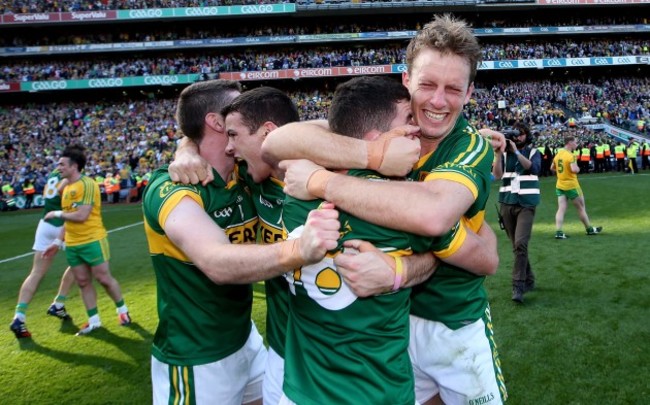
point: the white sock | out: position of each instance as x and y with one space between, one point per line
122 310
94 320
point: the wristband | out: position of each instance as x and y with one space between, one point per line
58 214
59 243
290 254
517 153
317 182
377 149
399 272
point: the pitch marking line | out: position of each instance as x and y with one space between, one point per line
31 253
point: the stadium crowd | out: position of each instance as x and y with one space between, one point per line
202 30
251 59
144 132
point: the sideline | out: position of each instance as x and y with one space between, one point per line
31 253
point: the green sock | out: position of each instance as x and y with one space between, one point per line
119 303
21 310
92 311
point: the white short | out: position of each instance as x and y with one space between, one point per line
45 235
286 401
234 380
461 365
273 378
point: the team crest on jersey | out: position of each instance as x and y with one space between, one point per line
168 186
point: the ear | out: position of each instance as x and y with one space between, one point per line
405 79
215 122
470 90
268 127
371 135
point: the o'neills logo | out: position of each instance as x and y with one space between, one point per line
5 87
32 17
91 15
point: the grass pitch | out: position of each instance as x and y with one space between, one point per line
580 338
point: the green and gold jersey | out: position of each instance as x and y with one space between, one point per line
566 178
200 322
268 197
83 192
341 348
452 295
52 197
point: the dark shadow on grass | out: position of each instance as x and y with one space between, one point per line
68 327
131 347
137 328
120 369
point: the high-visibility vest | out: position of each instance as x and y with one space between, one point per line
576 154
585 156
646 149
632 150
619 151
600 152
608 151
7 189
29 189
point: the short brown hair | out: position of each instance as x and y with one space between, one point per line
201 98
447 35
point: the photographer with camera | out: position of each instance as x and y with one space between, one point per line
518 168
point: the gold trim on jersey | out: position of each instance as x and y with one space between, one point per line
457 241
455 176
170 203
159 244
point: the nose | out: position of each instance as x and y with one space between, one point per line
230 148
437 98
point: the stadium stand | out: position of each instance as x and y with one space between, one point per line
107 73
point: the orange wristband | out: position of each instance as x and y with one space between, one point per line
317 183
375 150
290 254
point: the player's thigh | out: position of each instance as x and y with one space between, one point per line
234 380
45 235
94 254
461 365
273 378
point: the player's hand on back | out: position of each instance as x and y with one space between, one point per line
365 269
296 177
321 233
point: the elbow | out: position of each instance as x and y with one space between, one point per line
213 272
492 264
433 225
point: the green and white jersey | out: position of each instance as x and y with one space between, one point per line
452 295
341 348
200 322
268 197
52 197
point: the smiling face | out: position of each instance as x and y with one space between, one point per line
248 146
439 86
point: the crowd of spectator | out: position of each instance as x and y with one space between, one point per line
141 134
259 59
52 6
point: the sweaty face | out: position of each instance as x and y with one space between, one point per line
247 146
439 87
